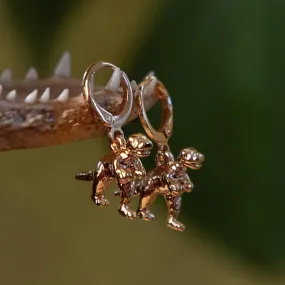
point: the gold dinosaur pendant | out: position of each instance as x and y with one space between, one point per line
169 178
123 162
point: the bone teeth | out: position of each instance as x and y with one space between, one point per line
115 80
32 74
150 74
31 98
1 89
134 85
45 97
150 88
63 96
6 75
11 96
63 66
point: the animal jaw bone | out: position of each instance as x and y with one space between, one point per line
39 112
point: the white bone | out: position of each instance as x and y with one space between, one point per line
150 88
63 96
6 75
115 80
11 96
45 97
1 89
31 98
134 85
63 67
32 74
150 74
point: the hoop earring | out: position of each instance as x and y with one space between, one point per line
123 161
169 178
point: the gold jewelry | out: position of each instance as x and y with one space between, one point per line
123 161
169 178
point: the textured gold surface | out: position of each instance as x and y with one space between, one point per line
122 164
169 177
123 161
50 235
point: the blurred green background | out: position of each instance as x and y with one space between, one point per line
223 63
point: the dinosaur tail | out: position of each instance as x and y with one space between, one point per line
85 176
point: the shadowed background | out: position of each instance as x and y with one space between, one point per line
224 66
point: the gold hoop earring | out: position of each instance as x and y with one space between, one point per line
123 161
169 178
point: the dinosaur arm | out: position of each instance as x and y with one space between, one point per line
179 184
186 183
139 170
123 172
174 186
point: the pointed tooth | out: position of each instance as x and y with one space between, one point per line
149 90
32 74
11 96
150 74
31 98
1 89
134 85
45 97
115 80
6 75
63 66
63 96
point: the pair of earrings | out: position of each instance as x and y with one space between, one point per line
169 178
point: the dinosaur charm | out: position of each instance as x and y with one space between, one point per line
123 162
123 165
169 179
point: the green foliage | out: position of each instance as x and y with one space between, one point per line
37 22
223 63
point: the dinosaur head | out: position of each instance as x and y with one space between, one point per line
140 145
190 157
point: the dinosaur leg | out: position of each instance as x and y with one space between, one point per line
146 200
101 181
126 190
117 192
174 205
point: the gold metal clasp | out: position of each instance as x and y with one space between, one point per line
163 134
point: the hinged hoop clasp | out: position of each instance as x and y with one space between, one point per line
112 122
163 134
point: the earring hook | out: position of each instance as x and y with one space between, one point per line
163 134
113 123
